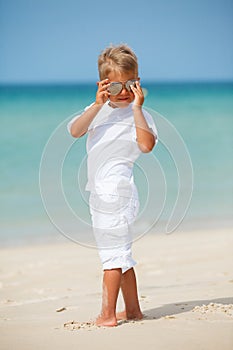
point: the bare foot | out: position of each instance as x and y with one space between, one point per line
121 316
130 316
102 321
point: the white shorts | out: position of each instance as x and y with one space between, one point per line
112 221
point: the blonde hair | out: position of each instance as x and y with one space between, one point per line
118 58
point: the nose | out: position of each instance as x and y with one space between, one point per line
124 90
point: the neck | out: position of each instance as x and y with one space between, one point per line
112 105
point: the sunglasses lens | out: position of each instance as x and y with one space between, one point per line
128 83
115 88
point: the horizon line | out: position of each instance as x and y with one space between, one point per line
89 82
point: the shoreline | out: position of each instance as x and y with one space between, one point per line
56 237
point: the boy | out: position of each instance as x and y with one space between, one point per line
118 131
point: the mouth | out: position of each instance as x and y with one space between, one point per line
122 99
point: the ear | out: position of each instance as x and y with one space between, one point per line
138 78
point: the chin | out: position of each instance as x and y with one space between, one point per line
122 104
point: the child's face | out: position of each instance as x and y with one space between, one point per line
125 97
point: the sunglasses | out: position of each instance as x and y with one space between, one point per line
116 87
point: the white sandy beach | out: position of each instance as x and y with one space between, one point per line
185 287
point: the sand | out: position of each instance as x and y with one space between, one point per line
50 292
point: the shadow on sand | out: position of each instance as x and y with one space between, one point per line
181 307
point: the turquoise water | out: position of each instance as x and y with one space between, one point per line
201 113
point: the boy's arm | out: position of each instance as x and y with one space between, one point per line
80 126
145 137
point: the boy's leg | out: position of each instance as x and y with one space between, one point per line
130 295
111 287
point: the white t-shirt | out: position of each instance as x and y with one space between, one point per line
112 150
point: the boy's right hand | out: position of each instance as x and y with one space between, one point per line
102 94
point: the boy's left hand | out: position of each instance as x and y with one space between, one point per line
138 93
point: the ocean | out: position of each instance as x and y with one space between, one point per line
43 172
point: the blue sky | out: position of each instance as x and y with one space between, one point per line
58 41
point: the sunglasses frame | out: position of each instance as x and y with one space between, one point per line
125 85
